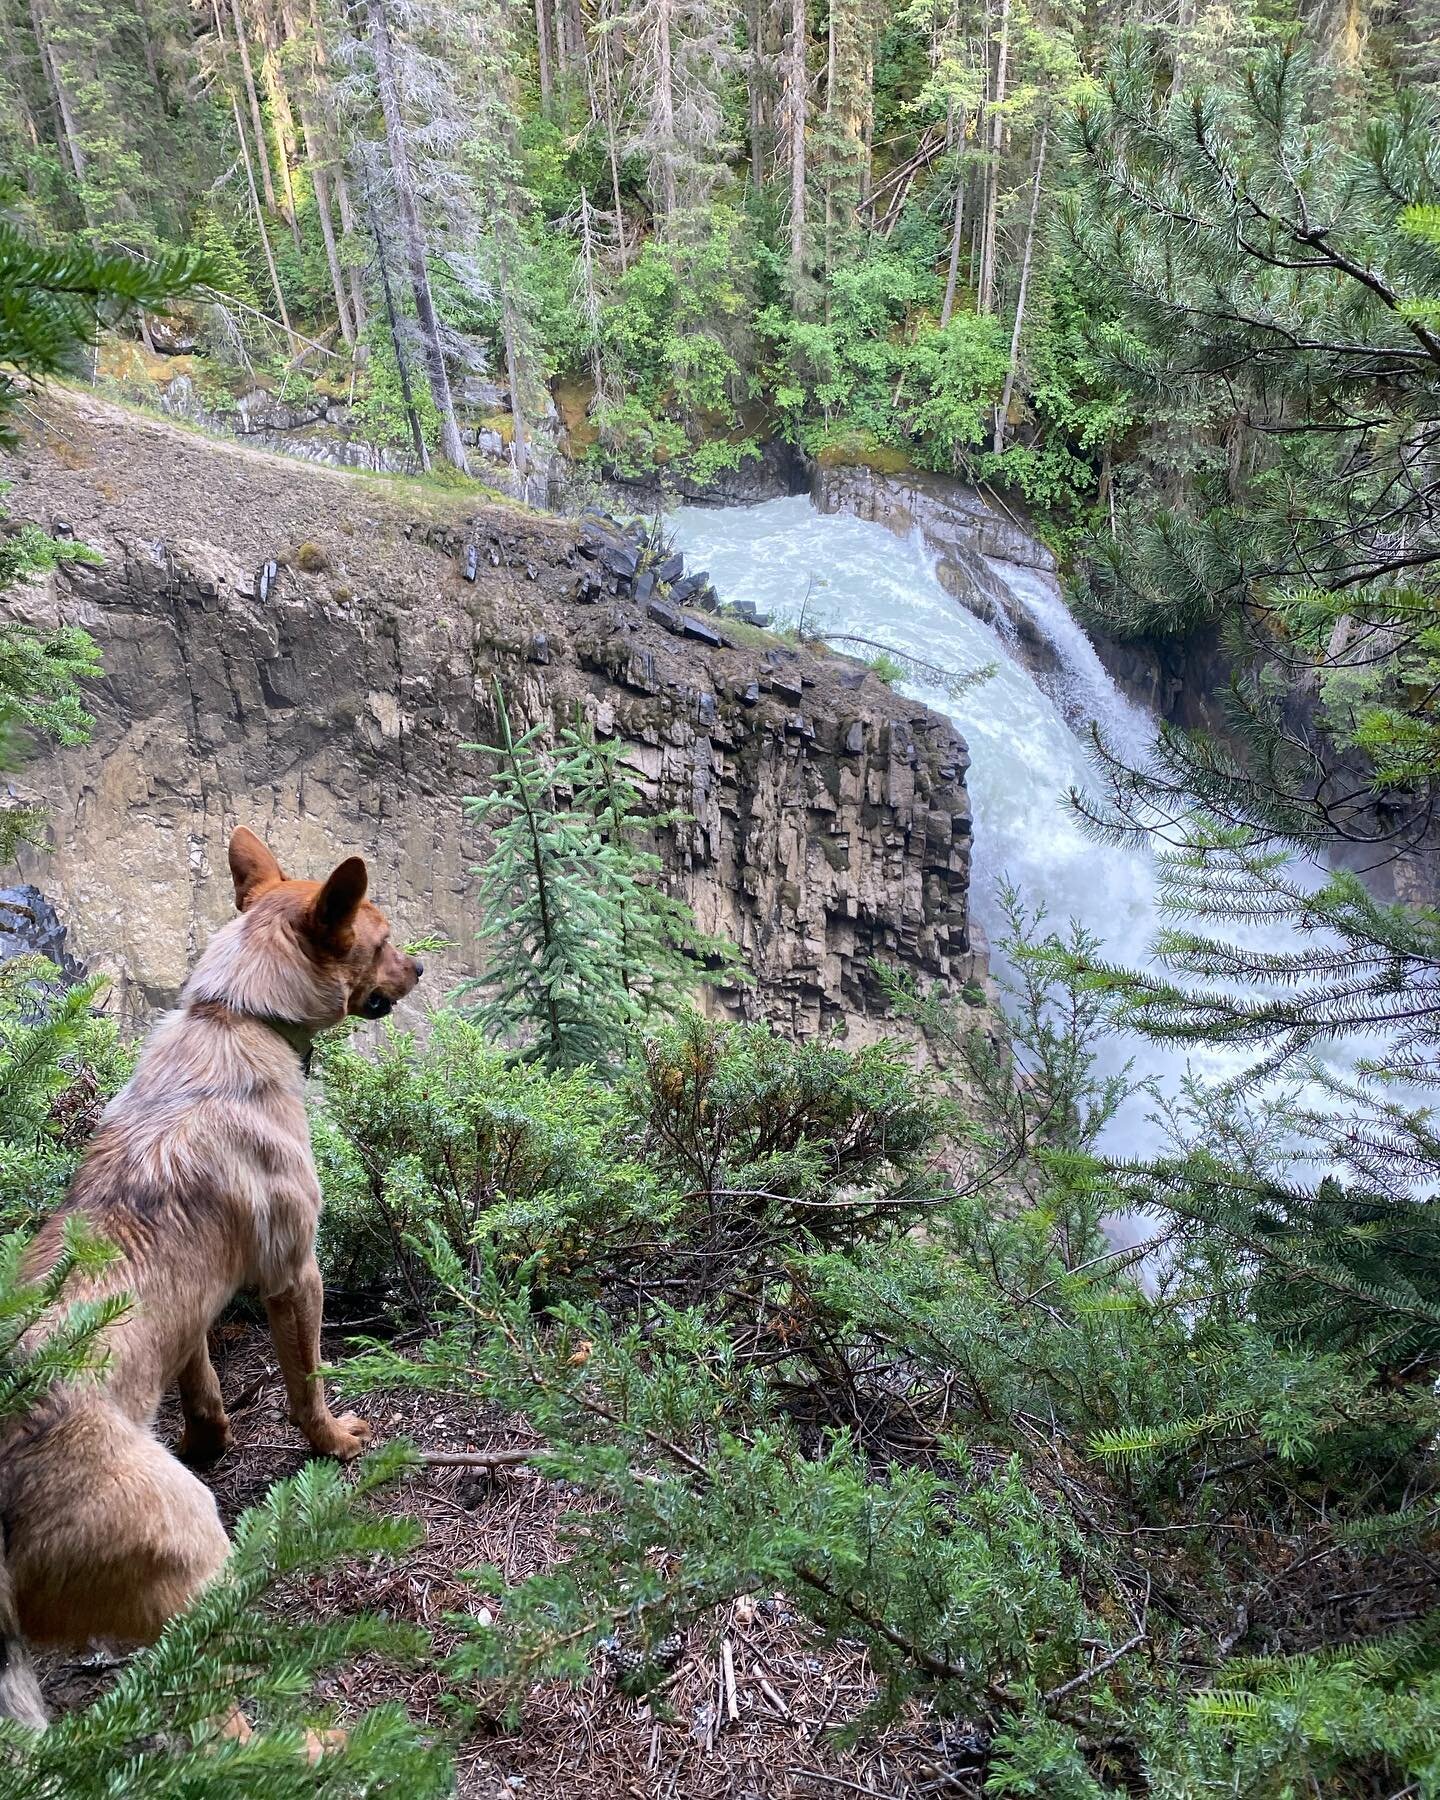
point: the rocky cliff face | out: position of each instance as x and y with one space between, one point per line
301 650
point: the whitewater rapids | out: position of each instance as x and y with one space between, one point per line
1024 736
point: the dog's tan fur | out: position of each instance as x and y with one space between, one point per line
201 1176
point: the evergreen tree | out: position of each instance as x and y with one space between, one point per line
1285 282
680 53
582 942
51 299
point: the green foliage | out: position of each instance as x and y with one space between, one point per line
1303 362
51 298
42 1340
40 674
450 1133
675 330
582 941
156 1730
380 398
870 371
938 1415
887 668
718 1145
224 248
60 1060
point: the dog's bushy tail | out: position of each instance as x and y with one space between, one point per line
19 1689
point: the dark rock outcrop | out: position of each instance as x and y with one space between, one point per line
30 926
773 472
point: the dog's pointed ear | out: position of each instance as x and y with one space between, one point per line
252 868
339 900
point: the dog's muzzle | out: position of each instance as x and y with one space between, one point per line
377 1005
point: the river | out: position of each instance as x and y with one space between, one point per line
1025 742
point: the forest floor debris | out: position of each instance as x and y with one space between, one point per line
756 1704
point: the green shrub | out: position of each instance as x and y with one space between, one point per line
60 1061
939 1415
720 1145
448 1133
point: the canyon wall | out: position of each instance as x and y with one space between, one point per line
315 653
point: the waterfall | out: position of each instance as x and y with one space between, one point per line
1027 736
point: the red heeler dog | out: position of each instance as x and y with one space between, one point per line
201 1176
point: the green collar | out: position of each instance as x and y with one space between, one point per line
300 1038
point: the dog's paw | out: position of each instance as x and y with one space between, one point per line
343 1438
203 1442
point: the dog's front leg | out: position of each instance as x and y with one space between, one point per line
295 1327
207 1430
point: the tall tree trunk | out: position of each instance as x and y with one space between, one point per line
359 311
982 161
830 148
260 221
997 134
520 445
314 155
257 119
1003 415
957 231
665 109
414 238
283 116
147 46
19 100
543 39
592 296
1184 19
66 134
867 123
795 100
755 27
402 360
574 61
334 159
607 88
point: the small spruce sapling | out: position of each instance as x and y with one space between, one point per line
583 944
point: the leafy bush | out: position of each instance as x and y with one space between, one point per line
720 1144
380 397
451 1134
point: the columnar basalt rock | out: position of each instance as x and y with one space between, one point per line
334 701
